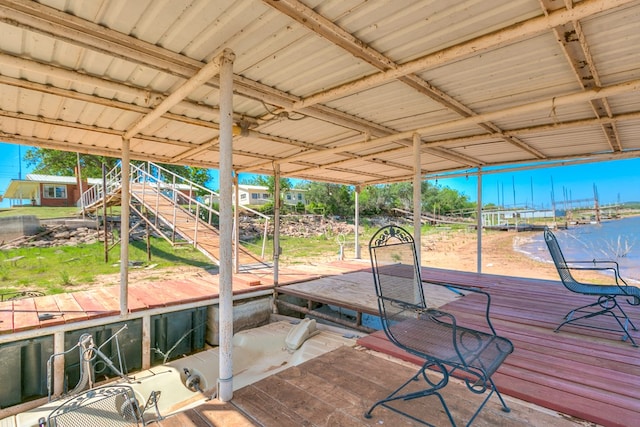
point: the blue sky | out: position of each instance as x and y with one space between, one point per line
615 181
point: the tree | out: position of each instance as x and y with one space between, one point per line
376 199
63 163
333 199
445 200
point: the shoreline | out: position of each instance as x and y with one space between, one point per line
457 250
441 248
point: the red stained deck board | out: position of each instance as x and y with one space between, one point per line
69 307
108 299
203 287
133 302
181 291
559 399
147 296
47 305
25 315
6 317
92 305
246 280
212 286
378 341
556 371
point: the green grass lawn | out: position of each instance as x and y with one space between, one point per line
297 250
60 269
41 212
44 212
66 268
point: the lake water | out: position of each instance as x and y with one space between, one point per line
617 240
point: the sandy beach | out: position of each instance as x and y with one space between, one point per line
457 250
441 248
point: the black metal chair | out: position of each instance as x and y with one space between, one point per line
606 303
107 406
104 406
431 334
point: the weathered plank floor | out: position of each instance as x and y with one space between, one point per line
337 388
586 373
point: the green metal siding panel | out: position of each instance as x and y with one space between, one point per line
23 370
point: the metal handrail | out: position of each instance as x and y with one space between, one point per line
171 186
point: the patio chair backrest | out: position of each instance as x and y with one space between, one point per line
111 405
396 274
560 263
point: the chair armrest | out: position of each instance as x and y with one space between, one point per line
607 265
571 265
475 290
612 265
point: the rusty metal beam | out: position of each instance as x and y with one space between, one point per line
575 47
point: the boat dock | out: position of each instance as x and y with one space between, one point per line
562 372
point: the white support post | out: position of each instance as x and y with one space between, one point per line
225 380
124 228
357 223
417 196
479 221
276 223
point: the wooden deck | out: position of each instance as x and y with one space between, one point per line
336 389
51 310
588 374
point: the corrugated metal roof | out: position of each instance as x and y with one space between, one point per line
483 82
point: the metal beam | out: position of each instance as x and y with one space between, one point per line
96 99
574 45
548 104
200 78
76 31
506 36
358 48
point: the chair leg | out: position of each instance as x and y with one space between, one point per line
487 385
625 327
605 310
628 321
432 390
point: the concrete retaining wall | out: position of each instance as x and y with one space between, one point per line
13 227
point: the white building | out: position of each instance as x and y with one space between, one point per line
259 195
